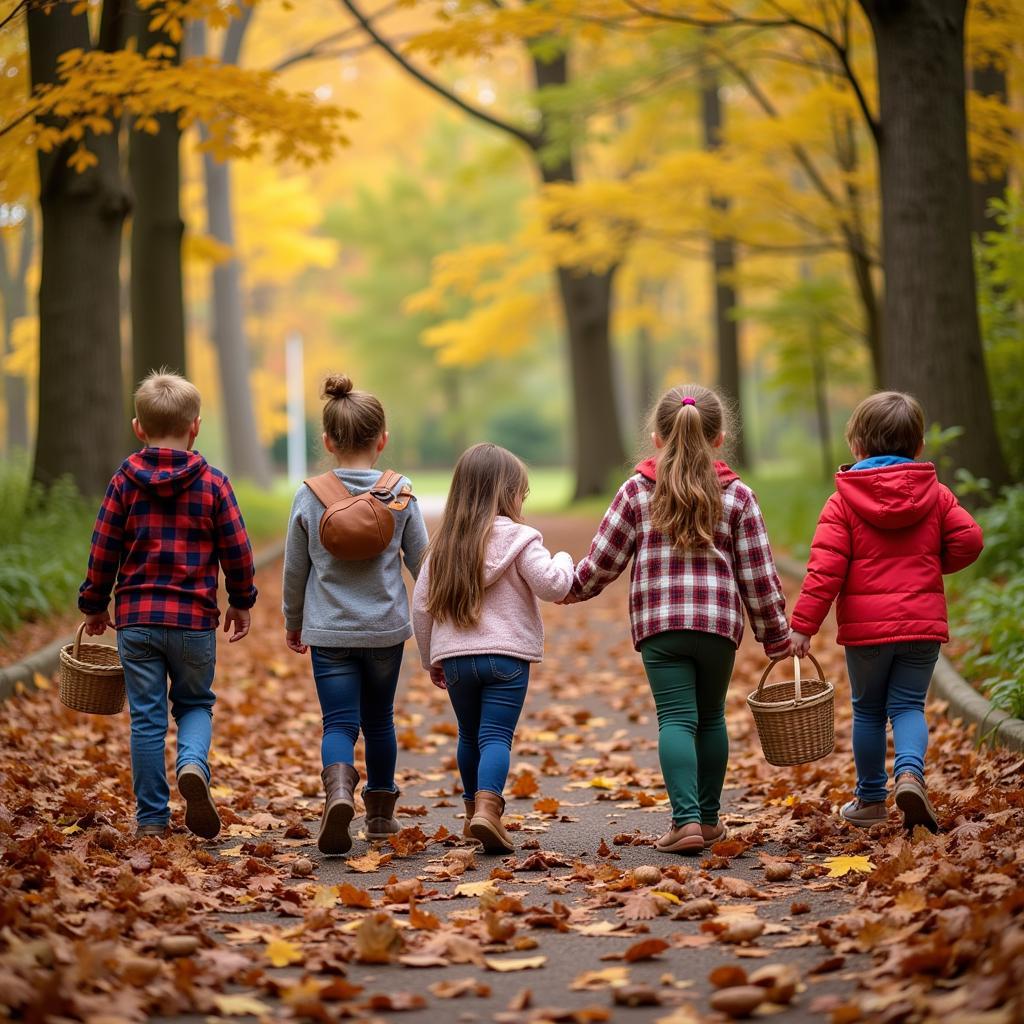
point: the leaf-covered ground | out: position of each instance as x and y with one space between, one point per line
585 923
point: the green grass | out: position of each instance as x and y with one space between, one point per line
550 488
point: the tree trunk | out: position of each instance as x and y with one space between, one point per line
587 302
80 398
646 373
158 309
987 81
13 285
933 342
246 457
723 266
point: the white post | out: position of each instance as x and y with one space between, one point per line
296 390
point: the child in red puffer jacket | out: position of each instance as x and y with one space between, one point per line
883 543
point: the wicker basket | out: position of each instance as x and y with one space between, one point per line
91 677
795 718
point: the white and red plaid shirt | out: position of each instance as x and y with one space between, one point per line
704 589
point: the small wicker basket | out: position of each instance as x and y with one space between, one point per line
91 677
795 718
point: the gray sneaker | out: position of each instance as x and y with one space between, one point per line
912 799
863 814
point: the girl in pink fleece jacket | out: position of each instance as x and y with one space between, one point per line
477 620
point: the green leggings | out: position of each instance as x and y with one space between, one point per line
689 674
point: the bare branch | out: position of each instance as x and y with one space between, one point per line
23 5
314 51
530 139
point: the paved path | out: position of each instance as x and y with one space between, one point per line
84 908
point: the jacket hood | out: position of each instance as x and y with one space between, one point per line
649 469
890 497
164 471
506 543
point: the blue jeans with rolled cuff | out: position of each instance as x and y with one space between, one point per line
487 692
150 655
889 682
356 687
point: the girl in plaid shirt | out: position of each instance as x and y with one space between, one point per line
700 554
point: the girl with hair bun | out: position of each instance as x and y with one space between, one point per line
694 533
353 616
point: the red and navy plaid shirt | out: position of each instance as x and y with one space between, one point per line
704 589
167 520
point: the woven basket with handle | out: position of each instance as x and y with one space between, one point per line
795 718
91 677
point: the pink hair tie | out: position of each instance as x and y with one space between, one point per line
689 401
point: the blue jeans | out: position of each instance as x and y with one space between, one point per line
889 681
356 687
487 692
149 655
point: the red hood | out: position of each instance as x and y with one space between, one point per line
890 497
649 469
164 471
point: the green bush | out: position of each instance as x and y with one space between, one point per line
986 602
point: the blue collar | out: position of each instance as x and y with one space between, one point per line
878 461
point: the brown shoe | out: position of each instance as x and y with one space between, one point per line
339 807
468 817
486 823
201 817
152 831
713 834
688 838
380 813
912 799
864 814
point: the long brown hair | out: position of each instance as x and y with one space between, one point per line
488 481
353 420
687 502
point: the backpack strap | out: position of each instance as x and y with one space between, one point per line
328 488
387 484
387 481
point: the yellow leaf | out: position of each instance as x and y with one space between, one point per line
840 866
281 952
476 888
240 1006
231 851
526 963
671 897
42 683
71 830
601 782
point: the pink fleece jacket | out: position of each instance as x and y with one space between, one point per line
518 570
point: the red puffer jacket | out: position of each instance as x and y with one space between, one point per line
883 541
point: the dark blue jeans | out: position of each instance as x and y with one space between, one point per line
356 687
889 681
149 655
487 692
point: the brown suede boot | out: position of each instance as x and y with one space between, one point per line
688 838
470 806
486 823
912 799
712 834
339 807
380 813
864 814
201 817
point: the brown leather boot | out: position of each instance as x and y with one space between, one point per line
201 817
380 813
486 823
712 834
912 799
470 806
688 838
339 807
863 813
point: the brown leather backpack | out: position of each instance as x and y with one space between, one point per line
355 527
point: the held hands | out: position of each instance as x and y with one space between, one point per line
293 638
239 619
97 622
437 677
799 644
570 598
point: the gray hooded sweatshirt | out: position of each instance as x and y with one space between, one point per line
349 604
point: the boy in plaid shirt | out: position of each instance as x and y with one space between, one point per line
167 520
700 554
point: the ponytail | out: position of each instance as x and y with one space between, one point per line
687 502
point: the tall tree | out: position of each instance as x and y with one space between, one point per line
585 295
988 80
723 265
246 456
157 301
83 211
933 340
14 293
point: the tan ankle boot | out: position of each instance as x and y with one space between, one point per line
339 807
470 806
912 799
486 824
380 813
686 838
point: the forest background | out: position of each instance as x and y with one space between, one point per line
513 221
